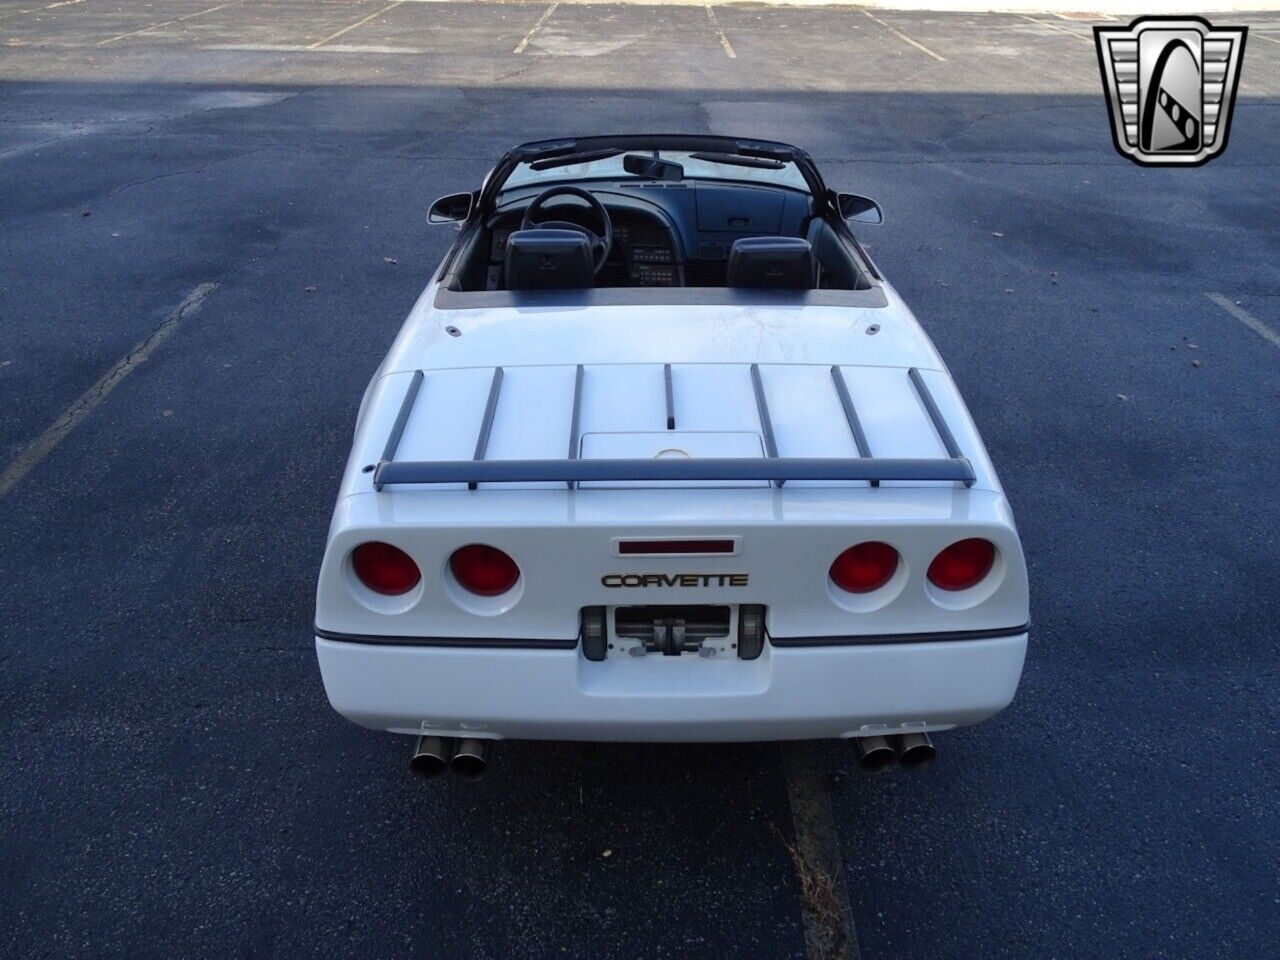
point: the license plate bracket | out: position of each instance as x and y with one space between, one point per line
704 630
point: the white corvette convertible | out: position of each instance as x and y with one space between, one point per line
659 455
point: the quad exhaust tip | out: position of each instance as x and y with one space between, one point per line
471 760
875 753
907 750
431 756
466 759
914 749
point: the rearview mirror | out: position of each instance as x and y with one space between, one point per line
454 208
652 167
858 209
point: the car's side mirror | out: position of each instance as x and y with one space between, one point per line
454 208
858 209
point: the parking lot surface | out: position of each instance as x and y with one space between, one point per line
212 224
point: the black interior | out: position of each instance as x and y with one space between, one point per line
663 234
774 263
549 260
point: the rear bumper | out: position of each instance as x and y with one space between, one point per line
787 693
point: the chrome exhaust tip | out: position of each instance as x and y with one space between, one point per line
875 753
431 756
914 749
471 760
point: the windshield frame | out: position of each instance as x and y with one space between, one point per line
495 182
784 175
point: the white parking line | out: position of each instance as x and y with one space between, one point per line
350 27
1054 26
524 41
902 36
50 6
1247 318
1263 36
26 461
157 26
299 48
724 41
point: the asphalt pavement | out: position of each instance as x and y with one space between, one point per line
212 222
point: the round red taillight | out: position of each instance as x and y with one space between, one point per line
384 568
963 564
484 570
866 567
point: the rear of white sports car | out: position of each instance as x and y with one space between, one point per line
686 524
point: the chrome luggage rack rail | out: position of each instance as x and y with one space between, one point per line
573 469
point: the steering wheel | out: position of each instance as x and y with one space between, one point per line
601 244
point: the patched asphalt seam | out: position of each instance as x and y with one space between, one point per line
829 931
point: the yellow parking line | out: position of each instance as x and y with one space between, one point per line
724 41
546 15
157 26
902 36
40 448
348 29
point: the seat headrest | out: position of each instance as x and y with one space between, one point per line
779 263
549 260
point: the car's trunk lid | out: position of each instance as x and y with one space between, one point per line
680 411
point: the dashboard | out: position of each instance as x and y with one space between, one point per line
644 251
664 234
647 252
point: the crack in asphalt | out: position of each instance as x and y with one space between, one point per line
129 128
102 198
22 148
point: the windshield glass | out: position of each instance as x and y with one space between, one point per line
610 168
